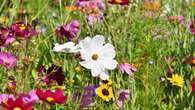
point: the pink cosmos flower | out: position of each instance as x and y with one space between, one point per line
8 60
6 36
127 68
5 97
123 95
31 97
191 26
69 30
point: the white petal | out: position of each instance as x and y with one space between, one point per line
104 75
96 71
98 40
109 64
89 64
66 47
107 52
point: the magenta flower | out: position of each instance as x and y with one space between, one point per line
91 4
93 19
6 36
7 59
123 95
193 84
23 30
69 30
127 68
5 97
191 26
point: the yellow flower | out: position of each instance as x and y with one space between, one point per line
105 92
71 8
78 69
106 82
193 3
152 6
176 80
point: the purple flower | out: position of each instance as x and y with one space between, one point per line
86 97
126 67
54 73
6 36
31 97
7 59
123 95
23 30
91 4
191 26
93 19
69 30
5 97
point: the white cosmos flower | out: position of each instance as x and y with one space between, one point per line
68 47
97 56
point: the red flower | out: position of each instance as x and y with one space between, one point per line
52 97
17 104
193 84
120 2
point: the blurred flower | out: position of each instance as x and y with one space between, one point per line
93 19
52 97
123 95
68 47
78 69
176 19
191 26
162 78
176 80
71 8
127 68
105 92
23 30
17 104
193 3
86 98
54 73
6 37
11 85
69 30
7 59
193 84
152 5
31 97
97 56
120 2
5 97
188 59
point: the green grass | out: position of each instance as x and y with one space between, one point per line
131 33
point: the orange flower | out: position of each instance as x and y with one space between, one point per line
152 5
71 8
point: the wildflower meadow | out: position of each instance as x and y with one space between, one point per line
97 55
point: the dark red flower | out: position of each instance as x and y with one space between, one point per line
193 84
120 2
17 104
6 36
23 30
54 73
52 97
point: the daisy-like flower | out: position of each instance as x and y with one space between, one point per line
69 30
105 92
106 82
7 59
52 97
120 2
176 80
97 56
191 26
68 47
23 30
17 104
6 36
123 95
127 68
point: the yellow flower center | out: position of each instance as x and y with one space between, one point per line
95 56
50 99
22 27
17 108
118 1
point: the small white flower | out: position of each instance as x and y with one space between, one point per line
68 47
97 56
